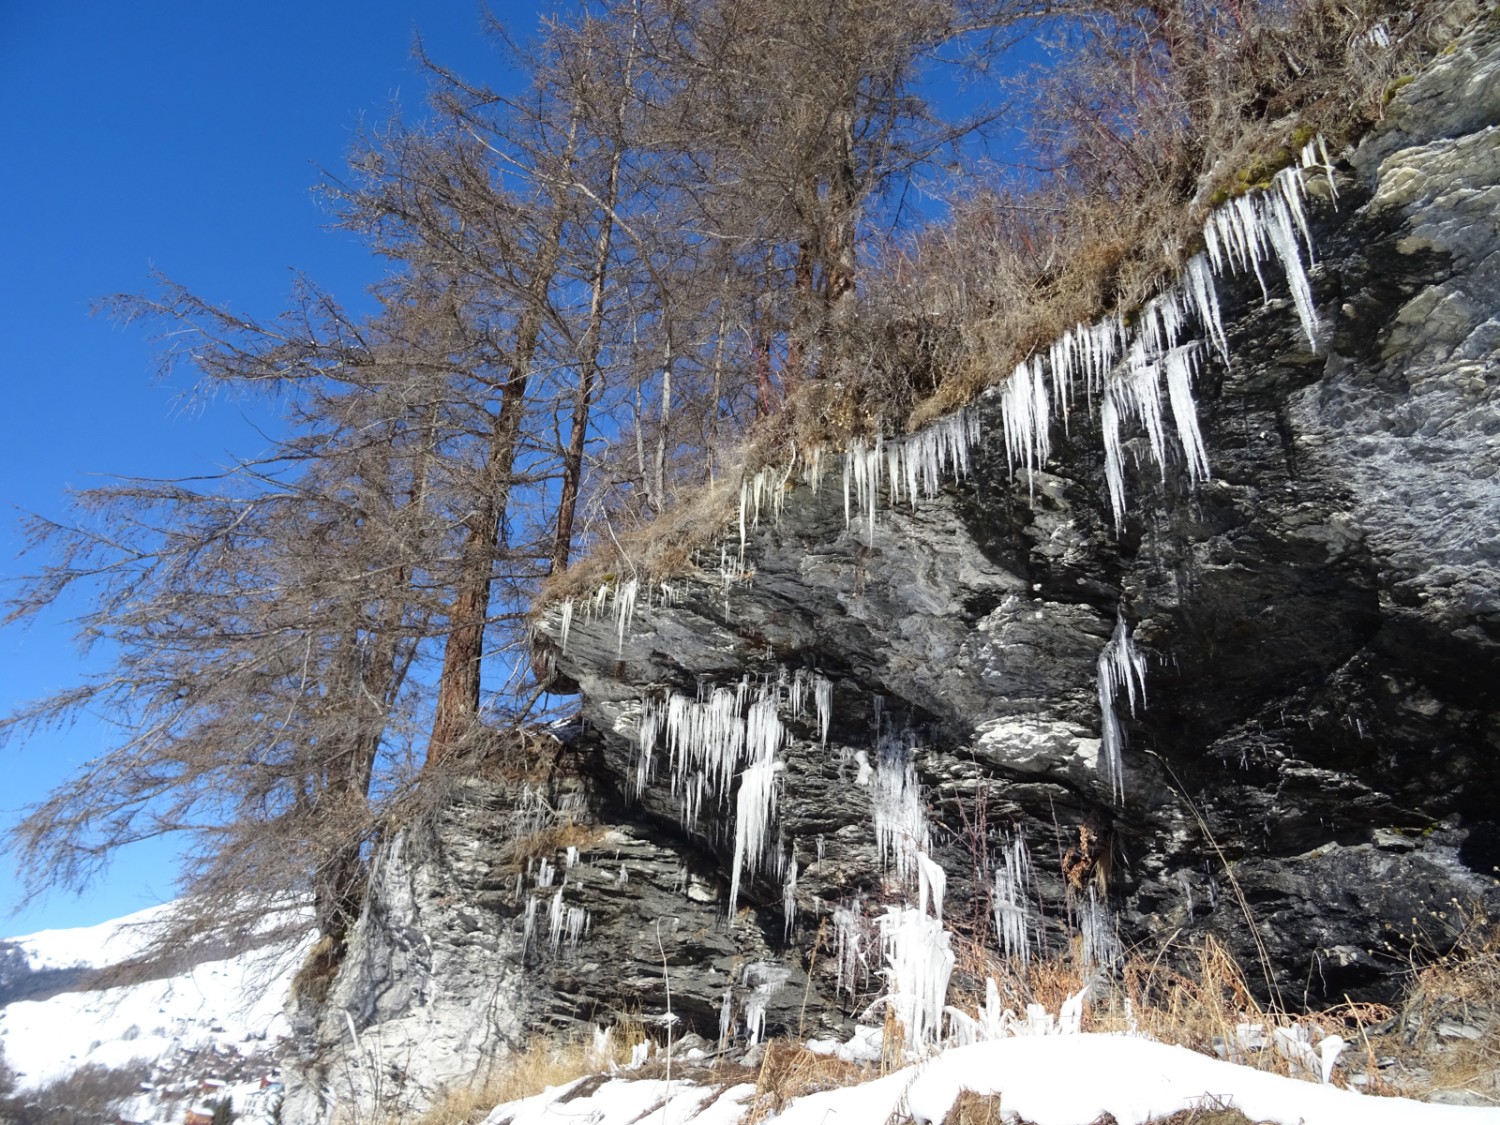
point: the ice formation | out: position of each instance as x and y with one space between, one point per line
919 962
724 734
914 467
901 832
755 808
1099 943
765 980
1012 917
789 899
1119 666
565 923
849 948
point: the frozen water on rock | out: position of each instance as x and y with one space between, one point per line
765 980
1119 666
919 962
901 832
1012 915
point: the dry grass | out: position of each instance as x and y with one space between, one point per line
1200 1007
970 1108
1446 1036
530 1069
789 1070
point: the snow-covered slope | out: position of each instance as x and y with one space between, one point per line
215 1019
1046 1080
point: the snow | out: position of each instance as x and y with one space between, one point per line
235 1002
1048 1080
108 943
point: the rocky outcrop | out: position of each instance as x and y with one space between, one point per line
1310 777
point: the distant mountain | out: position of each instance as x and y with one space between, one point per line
217 1020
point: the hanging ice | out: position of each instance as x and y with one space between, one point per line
1119 666
849 955
755 808
823 700
901 832
1012 921
932 882
789 899
919 963
1180 366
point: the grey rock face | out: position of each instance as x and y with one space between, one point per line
1314 765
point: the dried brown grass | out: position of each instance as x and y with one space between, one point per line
1446 1037
789 1070
529 1069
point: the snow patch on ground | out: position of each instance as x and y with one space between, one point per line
1048 1080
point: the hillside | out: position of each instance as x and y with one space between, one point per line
213 1028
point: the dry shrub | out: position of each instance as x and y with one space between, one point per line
1205 1115
657 549
1446 1036
547 843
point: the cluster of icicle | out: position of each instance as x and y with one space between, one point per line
1128 368
727 733
1125 367
565 923
617 599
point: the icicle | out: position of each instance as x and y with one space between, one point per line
1180 365
566 623
545 873
624 607
1012 920
919 963
1205 297
815 470
932 883
848 945
1096 929
648 730
529 930
572 857
789 899
726 1018
1282 209
1119 665
765 981
901 831
755 807
823 700
1114 455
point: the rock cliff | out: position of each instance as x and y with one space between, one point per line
1310 774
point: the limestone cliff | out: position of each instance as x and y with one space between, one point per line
1316 754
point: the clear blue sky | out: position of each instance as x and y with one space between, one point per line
186 137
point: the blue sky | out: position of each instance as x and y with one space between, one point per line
184 137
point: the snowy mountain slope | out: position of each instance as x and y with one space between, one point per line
108 943
205 1021
1046 1080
